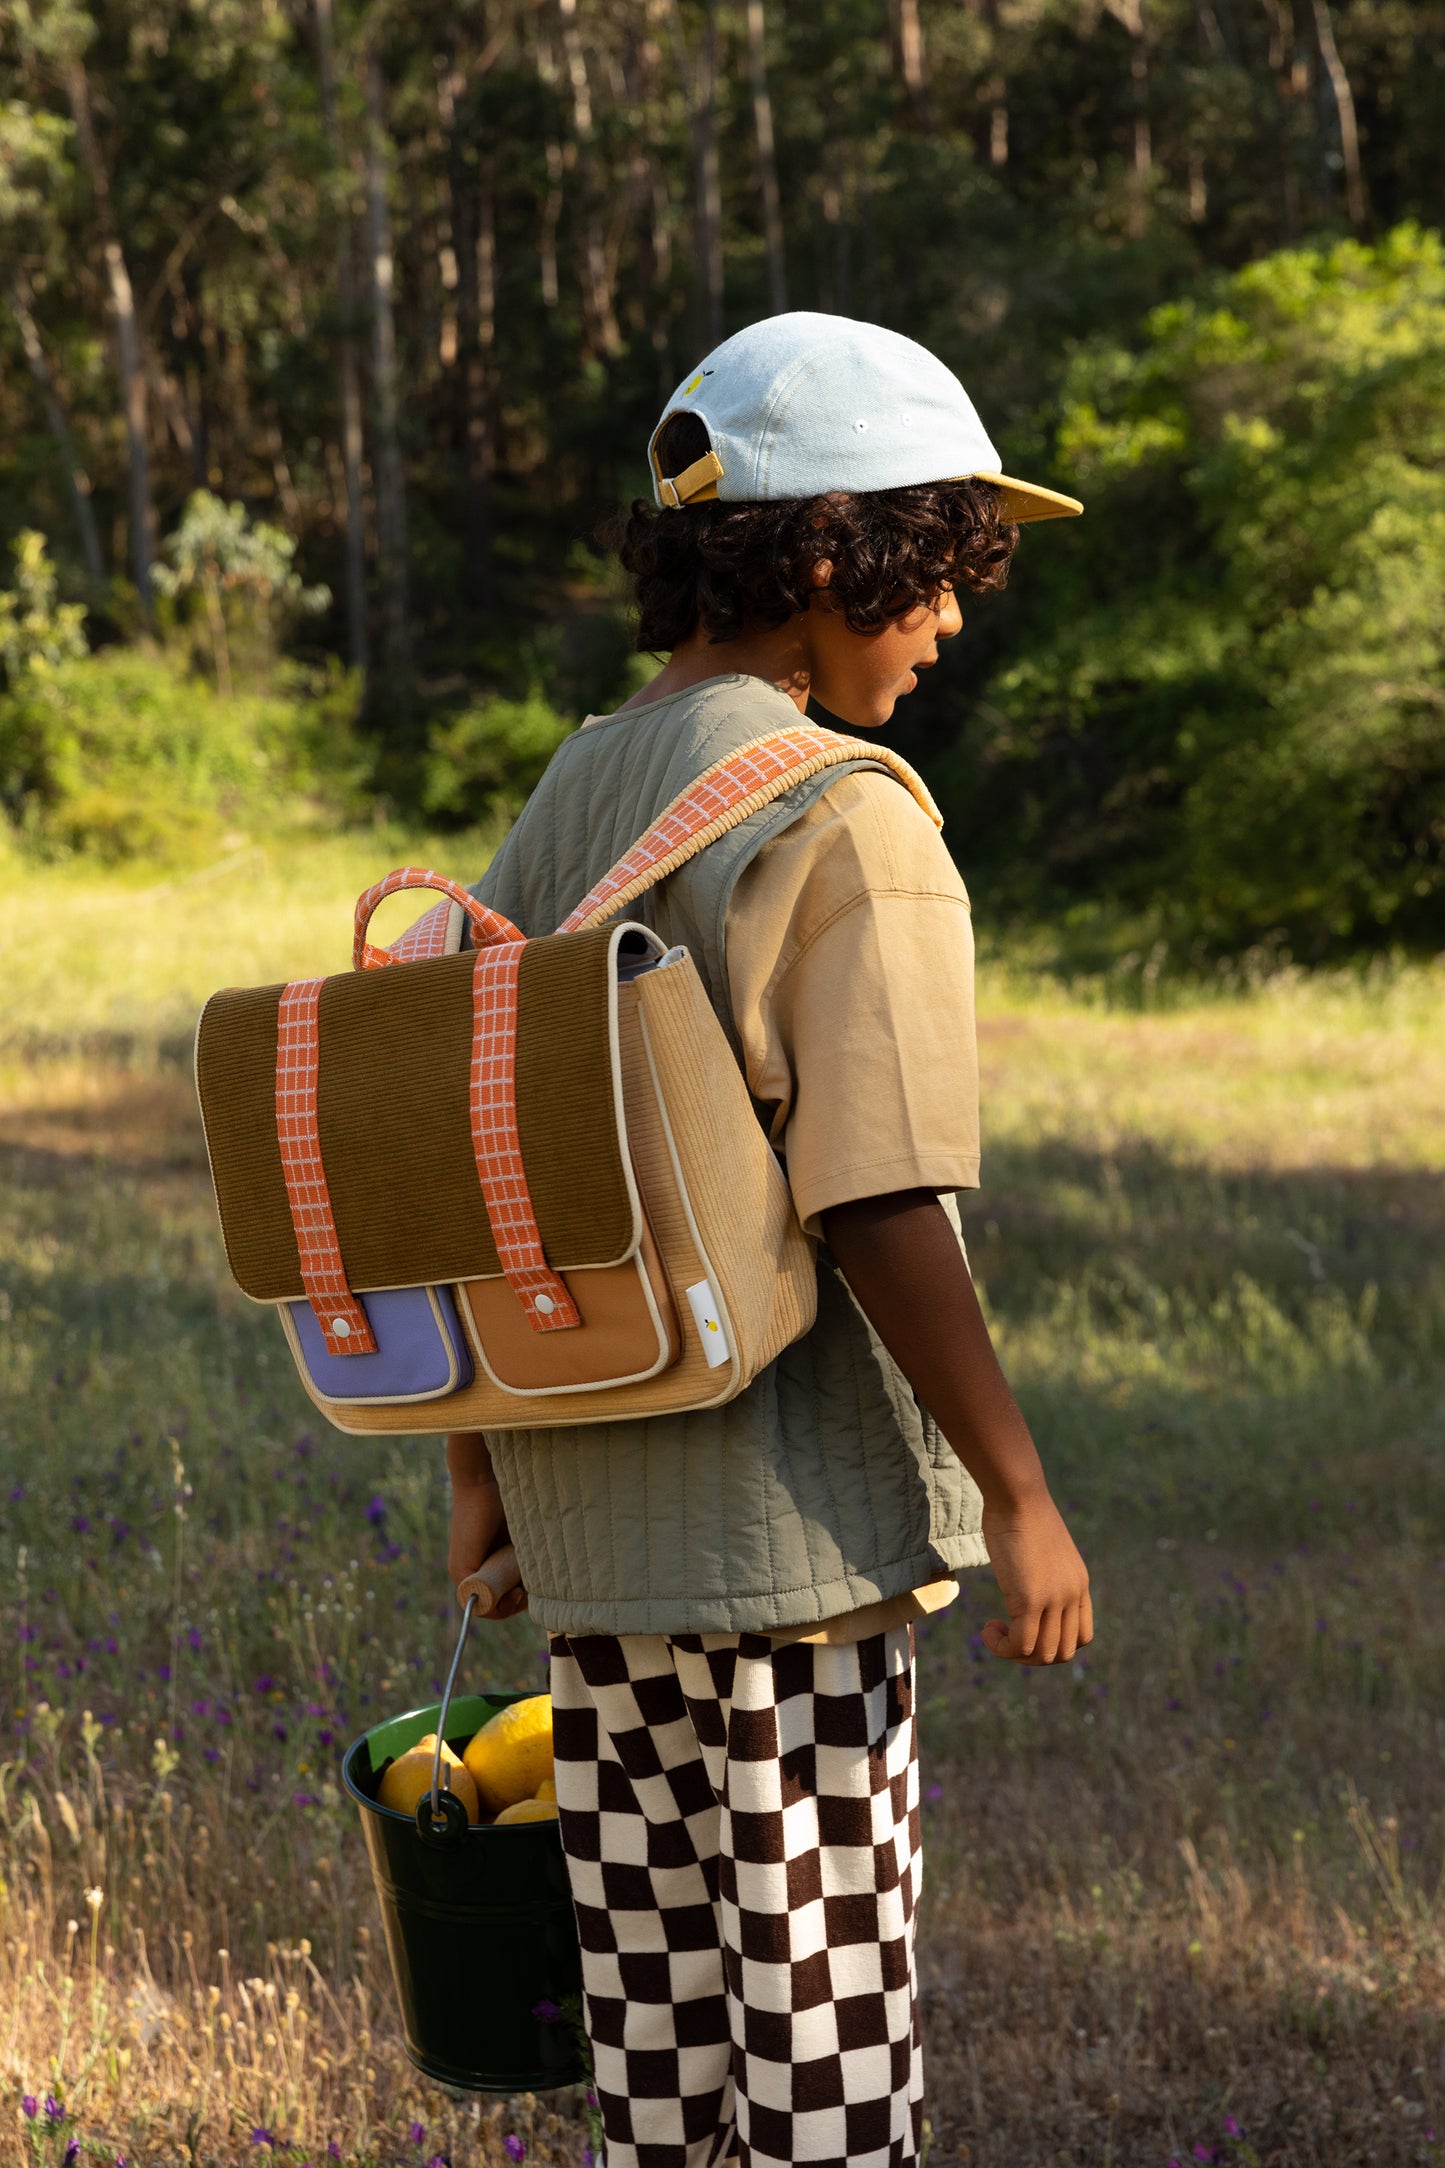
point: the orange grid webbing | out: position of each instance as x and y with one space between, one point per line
427 937
486 925
343 1322
498 1148
720 798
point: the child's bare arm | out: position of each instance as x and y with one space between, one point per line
479 1542
902 1260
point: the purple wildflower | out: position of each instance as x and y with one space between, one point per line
333 2150
30 2106
1232 2128
935 1791
513 2147
72 2153
261 2136
193 1638
376 1511
545 2012
587 2161
1203 2152
54 2113
418 2132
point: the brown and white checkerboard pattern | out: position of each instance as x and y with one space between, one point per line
497 1145
344 1324
741 1826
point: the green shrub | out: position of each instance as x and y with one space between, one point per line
119 755
1226 701
481 764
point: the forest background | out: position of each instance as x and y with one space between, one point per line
330 340
331 337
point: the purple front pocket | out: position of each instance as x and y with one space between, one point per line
420 1350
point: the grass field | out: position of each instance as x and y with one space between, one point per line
1184 1900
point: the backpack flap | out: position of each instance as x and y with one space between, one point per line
425 1076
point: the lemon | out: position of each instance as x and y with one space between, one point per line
529 1810
512 1753
547 1789
409 1778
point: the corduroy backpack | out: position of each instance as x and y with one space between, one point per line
518 1184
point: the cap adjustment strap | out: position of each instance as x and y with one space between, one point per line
692 482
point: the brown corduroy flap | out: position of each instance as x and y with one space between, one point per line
393 1107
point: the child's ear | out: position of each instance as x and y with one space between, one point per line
822 573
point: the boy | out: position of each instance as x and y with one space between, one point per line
730 1593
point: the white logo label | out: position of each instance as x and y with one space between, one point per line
704 1306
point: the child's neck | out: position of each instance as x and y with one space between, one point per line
781 657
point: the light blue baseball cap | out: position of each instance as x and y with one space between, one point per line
801 404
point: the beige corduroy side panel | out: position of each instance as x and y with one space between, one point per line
762 1262
687 1099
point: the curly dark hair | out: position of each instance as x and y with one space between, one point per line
730 567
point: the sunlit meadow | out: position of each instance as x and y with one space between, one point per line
1184 1900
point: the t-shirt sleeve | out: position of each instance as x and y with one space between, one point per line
850 971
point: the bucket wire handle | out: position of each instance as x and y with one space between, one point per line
441 1818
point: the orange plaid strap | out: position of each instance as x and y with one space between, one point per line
486 925
724 795
429 936
497 1145
343 1322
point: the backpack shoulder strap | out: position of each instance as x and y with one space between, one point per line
723 796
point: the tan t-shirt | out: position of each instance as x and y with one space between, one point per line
850 967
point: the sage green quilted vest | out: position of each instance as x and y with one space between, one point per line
824 1486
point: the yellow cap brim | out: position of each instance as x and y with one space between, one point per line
1023 501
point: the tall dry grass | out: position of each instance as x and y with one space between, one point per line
1184 1900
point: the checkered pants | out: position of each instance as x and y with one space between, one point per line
741 1827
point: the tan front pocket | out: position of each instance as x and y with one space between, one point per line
629 1329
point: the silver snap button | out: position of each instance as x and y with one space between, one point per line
545 1304
341 1326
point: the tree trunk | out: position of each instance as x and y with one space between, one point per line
391 545
348 372
1131 14
706 193
75 473
1285 70
596 269
471 182
767 159
1339 81
132 372
911 62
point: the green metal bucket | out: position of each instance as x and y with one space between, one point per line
479 1922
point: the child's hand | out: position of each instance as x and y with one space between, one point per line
478 1542
1044 1583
